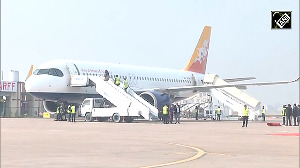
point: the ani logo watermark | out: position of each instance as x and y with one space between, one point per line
281 19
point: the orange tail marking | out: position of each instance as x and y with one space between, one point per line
199 58
30 72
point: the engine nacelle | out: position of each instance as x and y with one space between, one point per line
50 106
157 99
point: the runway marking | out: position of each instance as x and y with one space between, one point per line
200 153
220 154
286 134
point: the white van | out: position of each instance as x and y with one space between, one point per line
101 109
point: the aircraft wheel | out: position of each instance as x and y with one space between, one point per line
116 118
88 117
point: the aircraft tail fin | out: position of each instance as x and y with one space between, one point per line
199 58
30 72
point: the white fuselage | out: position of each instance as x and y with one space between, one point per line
57 88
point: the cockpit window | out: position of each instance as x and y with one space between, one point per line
43 71
51 71
59 73
35 72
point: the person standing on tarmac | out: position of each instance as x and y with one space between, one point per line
263 113
177 114
197 111
245 116
171 112
73 112
117 80
298 115
295 114
288 115
58 114
218 114
69 112
283 114
165 114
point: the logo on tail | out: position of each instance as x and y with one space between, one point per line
199 58
202 52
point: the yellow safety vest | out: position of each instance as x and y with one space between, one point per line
246 112
218 111
73 109
117 80
165 110
283 112
263 111
126 84
57 110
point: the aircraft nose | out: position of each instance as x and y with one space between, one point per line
31 84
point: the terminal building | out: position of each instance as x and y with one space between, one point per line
15 102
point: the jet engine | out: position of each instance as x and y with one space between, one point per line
157 99
50 106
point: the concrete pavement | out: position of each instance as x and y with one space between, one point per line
46 143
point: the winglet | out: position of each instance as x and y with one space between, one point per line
199 58
30 72
296 80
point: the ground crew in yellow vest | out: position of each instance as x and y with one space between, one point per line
165 114
69 112
245 116
117 80
219 114
283 114
263 113
73 112
126 85
58 115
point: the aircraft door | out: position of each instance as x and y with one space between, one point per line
194 82
73 69
132 80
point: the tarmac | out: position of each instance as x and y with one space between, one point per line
44 143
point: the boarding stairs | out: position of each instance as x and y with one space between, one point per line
232 97
202 99
129 100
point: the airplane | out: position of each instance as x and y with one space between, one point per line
51 80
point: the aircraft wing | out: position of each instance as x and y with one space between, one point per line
206 88
238 79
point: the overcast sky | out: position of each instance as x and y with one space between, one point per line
157 33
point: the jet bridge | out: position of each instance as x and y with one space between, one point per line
128 101
231 96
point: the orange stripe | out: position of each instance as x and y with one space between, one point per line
30 72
